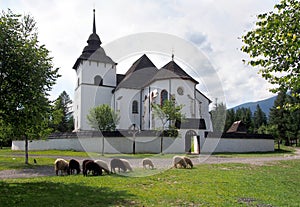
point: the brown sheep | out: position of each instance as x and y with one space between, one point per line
188 162
177 160
62 166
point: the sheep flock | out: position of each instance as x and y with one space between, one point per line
98 167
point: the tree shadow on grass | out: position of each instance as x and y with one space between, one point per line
60 194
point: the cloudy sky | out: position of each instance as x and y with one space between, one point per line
213 26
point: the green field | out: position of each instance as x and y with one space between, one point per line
274 184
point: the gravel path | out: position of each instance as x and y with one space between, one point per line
160 163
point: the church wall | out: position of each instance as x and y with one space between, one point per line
91 69
90 96
123 105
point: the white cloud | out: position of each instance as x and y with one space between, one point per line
213 26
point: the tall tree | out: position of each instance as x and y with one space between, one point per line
259 118
218 117
230 119
26 76
245 115
273 46
62 115
278 116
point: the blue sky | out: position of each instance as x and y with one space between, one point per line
213 26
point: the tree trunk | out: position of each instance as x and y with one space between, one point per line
102 151
26 150
161 143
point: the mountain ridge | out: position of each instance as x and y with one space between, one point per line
265 105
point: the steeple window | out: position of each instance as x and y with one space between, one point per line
98 81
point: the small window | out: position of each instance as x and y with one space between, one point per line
180 91
98 81
78 82
135 108
163 97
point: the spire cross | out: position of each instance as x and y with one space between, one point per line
94 23
172 54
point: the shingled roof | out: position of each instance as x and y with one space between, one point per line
138 74
141 63
172 70
237 127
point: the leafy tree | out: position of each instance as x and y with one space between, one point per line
218 117
103 118
26 76
167 112
62 120
274 44
259 118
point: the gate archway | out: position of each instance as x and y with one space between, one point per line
189 139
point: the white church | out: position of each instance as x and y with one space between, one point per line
131 94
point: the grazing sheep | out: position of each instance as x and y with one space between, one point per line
188 162
74 165
83 166
148 162
62 166
117 163
103 165
127 164
92 166
177 160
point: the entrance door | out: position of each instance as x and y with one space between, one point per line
189 138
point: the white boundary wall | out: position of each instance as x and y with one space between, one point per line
237 145
111 144
147 145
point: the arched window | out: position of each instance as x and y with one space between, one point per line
163 97
98 81
135 107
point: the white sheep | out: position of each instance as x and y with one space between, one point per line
148 162
127 164
103 165
61 165
188 162
178 160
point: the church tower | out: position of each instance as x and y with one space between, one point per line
96 79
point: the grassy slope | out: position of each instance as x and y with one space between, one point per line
206 185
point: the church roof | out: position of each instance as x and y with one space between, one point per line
172 70
93 51
141 63
138 74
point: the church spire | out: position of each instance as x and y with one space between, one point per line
94 23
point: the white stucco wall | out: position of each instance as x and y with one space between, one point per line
237 145
111 145
147 145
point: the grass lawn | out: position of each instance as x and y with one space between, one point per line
277 184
